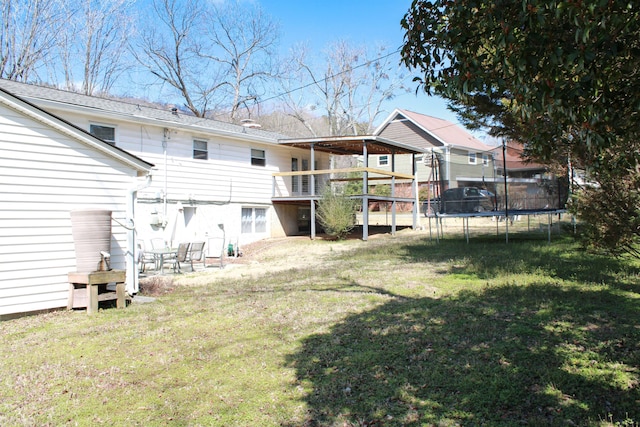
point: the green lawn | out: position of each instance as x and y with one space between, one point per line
396 331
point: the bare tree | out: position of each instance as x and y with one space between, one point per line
169 50
28 34
297 103
349 88
215 56
243 41
94 43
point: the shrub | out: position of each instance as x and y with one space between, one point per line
156 285
336 213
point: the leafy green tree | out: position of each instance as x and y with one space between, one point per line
559 76
354 186
336 213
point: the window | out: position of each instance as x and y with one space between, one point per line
383 160
200 151
472 158
485 160
471 192
105 133
258 157
305 178
254 220
316 179
295 180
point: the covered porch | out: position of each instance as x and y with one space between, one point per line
363 147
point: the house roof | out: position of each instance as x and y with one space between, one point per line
350 145
444 131
514 160
36 113
131 111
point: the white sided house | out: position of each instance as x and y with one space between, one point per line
212 181
48 168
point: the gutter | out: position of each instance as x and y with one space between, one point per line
139 118
132 285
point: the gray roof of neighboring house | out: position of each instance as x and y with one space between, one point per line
445 131
129 110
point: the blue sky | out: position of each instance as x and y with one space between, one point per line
318 23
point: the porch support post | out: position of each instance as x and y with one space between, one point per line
313 194
414 189
393 193
365 193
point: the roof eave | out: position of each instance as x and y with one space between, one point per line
36 113
133 118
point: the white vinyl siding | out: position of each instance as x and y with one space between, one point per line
45 174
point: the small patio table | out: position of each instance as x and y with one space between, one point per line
161 254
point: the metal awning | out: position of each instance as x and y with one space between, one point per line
353 145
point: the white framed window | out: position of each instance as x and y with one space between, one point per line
473 158
295 180
254 220
485 159
258 157
200 150
383 160
104 132
305 178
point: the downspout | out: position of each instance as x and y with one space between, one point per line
132 251
165 196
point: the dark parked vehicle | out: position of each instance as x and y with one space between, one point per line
492 199
461 200
466 200
431 207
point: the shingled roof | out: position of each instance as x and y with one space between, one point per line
128 110
445 132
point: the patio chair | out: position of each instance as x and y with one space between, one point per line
144 257
180 256
196 253
157 243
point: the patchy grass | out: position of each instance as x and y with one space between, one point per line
390 332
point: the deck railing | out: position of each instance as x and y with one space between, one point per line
283 188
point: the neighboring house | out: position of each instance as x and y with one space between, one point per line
212 180
456 158
48 168
531 186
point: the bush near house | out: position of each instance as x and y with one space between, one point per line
336 213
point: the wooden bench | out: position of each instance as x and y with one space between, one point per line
88 289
